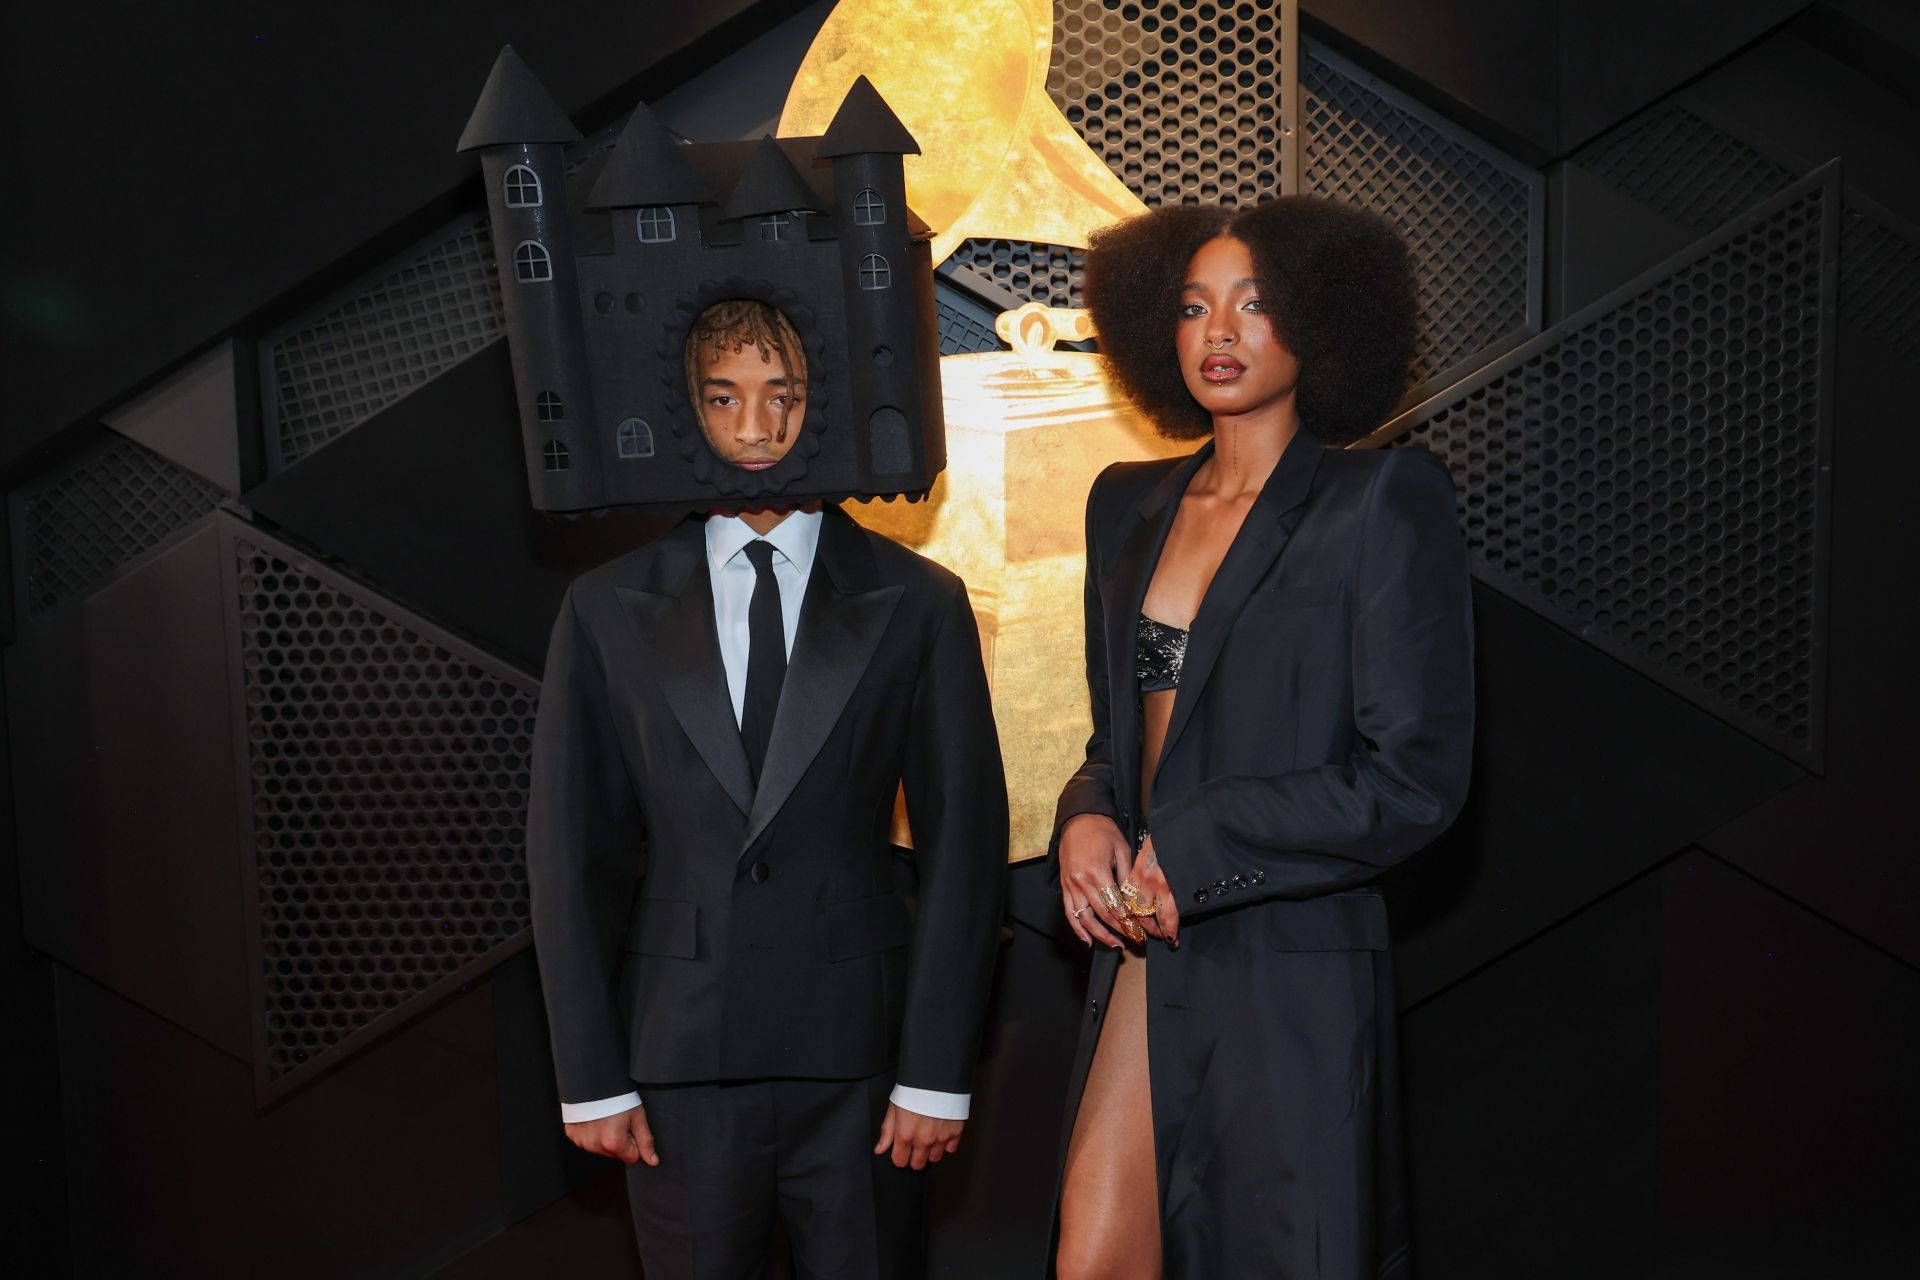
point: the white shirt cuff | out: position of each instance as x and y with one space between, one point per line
932 1103
581 1112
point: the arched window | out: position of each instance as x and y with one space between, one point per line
523 188
656 224
550 406
531 265
635 439
556 455
875 273
869 210
774 226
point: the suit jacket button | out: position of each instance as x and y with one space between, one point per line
1220 887
1096 1008
760 871
1199 895
1239 882
1259 877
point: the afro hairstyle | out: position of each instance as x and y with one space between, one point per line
1339 289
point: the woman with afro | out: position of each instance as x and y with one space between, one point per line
1280 658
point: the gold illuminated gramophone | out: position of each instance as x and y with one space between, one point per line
1027 429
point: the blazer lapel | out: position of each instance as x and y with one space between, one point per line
1259 542
842 617
1123 587
673 614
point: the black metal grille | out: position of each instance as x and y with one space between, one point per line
388 771
87 520
1650 473
1697 174
965 325
1185 100
419 317
1475 218
1880 275
1050 274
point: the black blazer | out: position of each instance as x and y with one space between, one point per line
1322 731
691 927
1323 725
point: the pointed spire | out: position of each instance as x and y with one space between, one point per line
865 124
647 166
769 184
515 107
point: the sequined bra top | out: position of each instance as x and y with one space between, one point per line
1162 649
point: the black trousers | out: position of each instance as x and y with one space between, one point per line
735 1156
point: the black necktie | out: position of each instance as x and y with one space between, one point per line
766 657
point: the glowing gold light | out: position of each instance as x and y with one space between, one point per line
1027 431
970 81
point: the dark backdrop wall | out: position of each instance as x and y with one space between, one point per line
275 608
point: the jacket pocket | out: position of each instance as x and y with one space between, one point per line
663 928
1337 922
866 925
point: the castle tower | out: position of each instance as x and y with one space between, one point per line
887 284
519 131
766 195
649 186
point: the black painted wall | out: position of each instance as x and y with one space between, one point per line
1655 984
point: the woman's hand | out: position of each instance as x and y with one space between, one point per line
1151 880
1093 855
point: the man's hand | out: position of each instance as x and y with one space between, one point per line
624 1136
916 1140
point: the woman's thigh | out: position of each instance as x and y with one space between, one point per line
1109 1201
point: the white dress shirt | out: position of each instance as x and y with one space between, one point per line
794 539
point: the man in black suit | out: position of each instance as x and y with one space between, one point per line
743 1007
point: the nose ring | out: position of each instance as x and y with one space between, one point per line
1220 345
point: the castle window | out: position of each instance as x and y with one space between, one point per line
635 439
656 224
531 265
869 210
774 226
550 407
875 273
556 456
523 188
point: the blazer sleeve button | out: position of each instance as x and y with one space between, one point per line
1220 887
1239 882
1259 877
1199 895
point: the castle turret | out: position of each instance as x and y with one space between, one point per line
648 185
880 261
519 131
767 194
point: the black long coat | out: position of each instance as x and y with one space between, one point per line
1322 731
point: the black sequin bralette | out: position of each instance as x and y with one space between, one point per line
1162 650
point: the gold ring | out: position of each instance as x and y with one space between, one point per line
1076 914
1110 894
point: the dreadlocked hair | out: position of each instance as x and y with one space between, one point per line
733 324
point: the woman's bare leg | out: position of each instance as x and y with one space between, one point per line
1110 1201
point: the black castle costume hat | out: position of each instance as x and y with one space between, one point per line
605 269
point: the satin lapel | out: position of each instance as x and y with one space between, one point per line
1259 542
842 618
674 619
1123 587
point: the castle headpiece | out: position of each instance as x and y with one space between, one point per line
605 269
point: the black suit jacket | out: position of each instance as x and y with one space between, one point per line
1323 725
1322 731
693 927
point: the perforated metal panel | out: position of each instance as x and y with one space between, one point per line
432 308
1049 274
1696 173
75 526
1651 473
1696 169
1880 273
385 790
1185 100
1476 218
